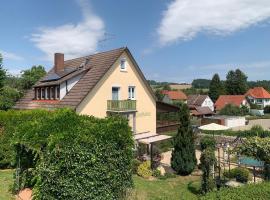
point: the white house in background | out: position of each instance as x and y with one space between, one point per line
200 101
259 96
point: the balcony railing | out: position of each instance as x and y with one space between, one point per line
121 105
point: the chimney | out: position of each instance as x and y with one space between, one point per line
58 62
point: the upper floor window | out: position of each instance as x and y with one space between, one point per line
131 92
123 64
47 93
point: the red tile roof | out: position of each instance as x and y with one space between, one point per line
175 95
223 100
258 93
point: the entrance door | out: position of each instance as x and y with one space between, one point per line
115 93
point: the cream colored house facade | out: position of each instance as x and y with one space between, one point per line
102 84
96 102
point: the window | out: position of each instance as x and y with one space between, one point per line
123 64
47 93
115 93
57 92
131 92
259 101
52 93
42 93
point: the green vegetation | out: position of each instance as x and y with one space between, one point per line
216 88
208 161
201 83
254 131
182 188
207 142
248 192
259 149
13 87
240 174
232 110
183 159
57 150
236 82
144 169
6 180
267 110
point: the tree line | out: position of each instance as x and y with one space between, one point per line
13 87
235 84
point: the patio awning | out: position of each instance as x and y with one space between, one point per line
154 139
144 135
213 127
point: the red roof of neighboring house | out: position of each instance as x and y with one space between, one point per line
223 100
175 95
258 93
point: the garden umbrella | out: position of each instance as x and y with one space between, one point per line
213 127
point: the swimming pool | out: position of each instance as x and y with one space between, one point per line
250 161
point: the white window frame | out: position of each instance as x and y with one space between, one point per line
131 94
123 61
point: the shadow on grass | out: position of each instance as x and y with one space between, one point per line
194 187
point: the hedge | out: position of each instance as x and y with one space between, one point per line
248 192
254 131
72 156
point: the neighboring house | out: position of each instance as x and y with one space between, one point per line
237 100
200 101
173 96
200 105
102 84
259 96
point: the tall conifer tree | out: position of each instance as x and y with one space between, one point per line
183 159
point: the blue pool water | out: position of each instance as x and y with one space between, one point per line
251 162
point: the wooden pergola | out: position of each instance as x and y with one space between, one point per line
149 139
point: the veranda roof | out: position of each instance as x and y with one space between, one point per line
213 127
144 135
154 139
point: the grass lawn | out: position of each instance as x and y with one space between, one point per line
6 179
178 188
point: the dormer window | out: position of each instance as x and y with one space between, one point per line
123 64
47 93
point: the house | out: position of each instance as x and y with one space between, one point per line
237 100
259 96
101 84
173 96
200 101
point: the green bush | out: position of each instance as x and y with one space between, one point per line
207 142
254 131
248 192
72 156
233 110
135 164
267 110
156 173
144 170
240 174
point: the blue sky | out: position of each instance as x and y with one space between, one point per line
172 40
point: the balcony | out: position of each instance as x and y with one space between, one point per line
121 105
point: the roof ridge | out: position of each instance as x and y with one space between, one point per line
123 48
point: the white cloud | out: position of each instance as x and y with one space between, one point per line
184 19
72 39
10 56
